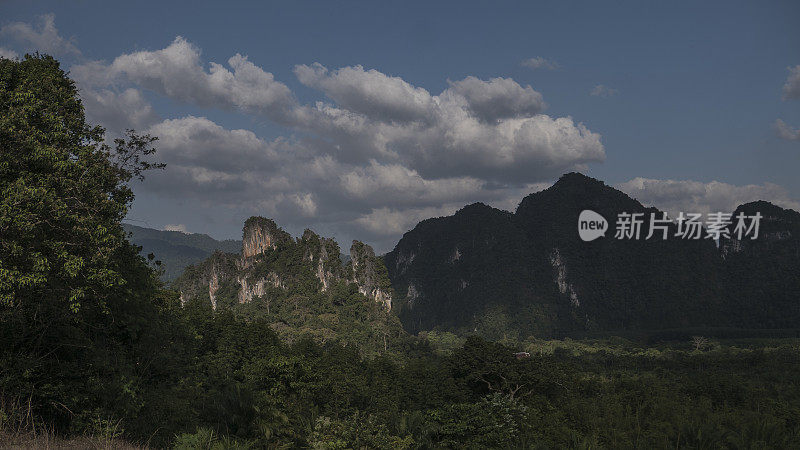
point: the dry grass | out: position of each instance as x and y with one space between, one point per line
19 430
47 440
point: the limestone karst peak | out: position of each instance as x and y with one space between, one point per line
370 274
260 234
272 259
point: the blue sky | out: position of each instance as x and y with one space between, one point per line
690 96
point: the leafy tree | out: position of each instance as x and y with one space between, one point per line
76 300
357 432
492 368
493 422
64 191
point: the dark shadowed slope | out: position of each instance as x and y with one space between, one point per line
489 271
763 275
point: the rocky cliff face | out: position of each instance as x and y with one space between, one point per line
203 280
260 235
324 255
369 273
250 290
272 259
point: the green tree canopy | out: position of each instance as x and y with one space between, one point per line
78 307
64 191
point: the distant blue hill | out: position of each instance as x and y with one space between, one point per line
175 249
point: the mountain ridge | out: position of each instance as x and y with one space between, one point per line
499 273
175 249
534 275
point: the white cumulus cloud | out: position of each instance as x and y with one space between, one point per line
118 111
369 92
44 38
791 89
8 53
784 131
388 221
689 196
602 90
177 72
540 63
498 98
374 147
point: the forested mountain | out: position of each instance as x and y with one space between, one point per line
175 249
499 274
301 286
763 275
502 274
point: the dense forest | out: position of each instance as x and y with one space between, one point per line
96 350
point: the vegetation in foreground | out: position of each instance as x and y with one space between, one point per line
92 344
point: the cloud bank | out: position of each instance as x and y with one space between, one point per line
370 158
374 149
674 196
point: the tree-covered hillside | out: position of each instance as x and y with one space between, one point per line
763 275
500 274
176 249
301 287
